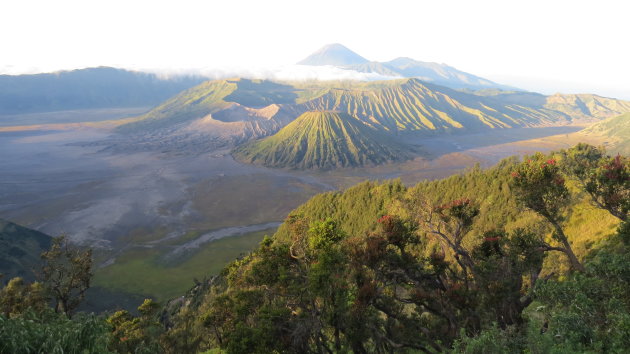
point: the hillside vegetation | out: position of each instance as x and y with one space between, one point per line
322 140
617 132
529 256
479 262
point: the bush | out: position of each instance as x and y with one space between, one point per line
51 333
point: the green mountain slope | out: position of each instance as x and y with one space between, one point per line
413 105
616 130
393 105
226 113
587 105
572 106
210 97
20 250
322 140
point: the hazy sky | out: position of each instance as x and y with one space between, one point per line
546 46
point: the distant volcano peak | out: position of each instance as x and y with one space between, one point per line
334 54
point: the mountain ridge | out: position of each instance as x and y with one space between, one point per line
441 74
226 113
99 87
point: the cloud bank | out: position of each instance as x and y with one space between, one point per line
280 73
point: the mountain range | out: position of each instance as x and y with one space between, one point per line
227 113
101 87
332 123
340 56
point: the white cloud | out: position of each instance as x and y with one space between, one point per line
285 72
558 40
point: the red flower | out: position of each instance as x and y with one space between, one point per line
384 219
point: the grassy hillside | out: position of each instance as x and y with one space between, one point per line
572 106
228 113
358 208
586 105
20 250
393 105
413 105
616 130
322 140
211 97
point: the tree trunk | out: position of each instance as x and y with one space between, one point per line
573 260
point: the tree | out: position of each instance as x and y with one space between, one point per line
606 179
66 274
493 272
538 185
16 297
132 334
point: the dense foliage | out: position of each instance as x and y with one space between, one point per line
465 264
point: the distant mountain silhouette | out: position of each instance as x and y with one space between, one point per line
334 54
441 74
101 87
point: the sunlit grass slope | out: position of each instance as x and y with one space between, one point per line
322 139
413 105
409 105
617 130
211 97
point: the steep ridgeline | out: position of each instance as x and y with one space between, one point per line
413 105
324 140
20 250
404 105
585 107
